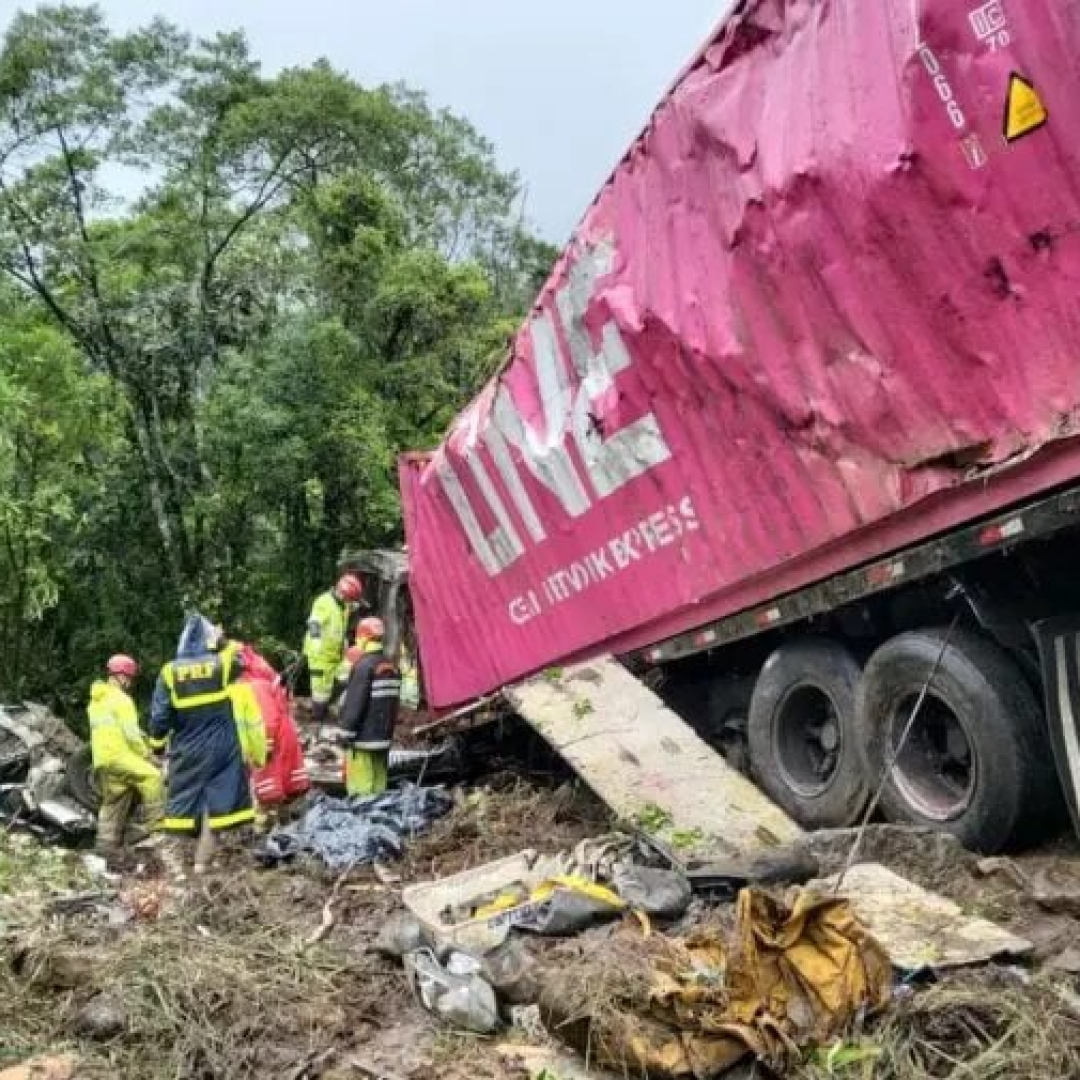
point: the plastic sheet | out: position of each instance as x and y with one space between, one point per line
350 832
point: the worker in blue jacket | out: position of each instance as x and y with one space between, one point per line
214 734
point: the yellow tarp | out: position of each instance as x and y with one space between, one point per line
794 975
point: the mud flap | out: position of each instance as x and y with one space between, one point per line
1059 653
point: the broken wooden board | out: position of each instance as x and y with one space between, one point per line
648 765
917 928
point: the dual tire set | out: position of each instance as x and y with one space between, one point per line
823 734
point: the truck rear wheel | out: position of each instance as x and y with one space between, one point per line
802 733
977 761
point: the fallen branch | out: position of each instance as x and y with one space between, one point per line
328 917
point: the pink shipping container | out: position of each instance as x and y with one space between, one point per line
825 306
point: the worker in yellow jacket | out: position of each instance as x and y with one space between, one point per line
122 758
324 642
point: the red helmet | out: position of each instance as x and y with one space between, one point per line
122 665
350 588
370 629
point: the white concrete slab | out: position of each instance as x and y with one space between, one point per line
648 765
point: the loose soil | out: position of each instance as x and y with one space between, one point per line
221 982
224 981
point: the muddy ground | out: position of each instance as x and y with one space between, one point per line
227 980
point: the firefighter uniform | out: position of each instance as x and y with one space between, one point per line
324 644
368 716
122 762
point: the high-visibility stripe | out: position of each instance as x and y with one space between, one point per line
220 821
197 700
181 824
223 821
211 697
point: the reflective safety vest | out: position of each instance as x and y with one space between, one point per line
201 681
207 680
324 643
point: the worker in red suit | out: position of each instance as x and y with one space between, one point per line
284 777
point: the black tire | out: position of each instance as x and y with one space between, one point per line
81 779
977 762
803 750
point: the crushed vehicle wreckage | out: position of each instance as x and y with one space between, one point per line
46 777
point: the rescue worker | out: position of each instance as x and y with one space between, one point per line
122 758
325 640
369 712
284 777
215 735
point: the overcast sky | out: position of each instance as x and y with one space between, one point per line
559 86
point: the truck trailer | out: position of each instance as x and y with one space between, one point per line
794 425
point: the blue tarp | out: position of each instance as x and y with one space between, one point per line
354 831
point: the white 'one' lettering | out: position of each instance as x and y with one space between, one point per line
570 406
638 447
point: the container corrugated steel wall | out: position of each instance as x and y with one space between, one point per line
829 291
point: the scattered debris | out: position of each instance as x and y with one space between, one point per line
790 977
455 992
400 935
554 896
102 1018
1056 888
237 978
920 929
46 1067
660 894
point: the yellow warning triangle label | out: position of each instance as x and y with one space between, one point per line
1024 110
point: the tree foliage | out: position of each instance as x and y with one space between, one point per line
227 302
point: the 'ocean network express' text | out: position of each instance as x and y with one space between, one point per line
639 542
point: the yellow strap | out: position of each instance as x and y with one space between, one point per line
582 886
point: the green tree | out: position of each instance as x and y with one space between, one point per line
313 277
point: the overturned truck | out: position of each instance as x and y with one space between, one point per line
795 422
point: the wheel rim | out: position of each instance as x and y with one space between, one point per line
808 740
937 768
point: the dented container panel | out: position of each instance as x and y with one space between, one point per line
826 304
